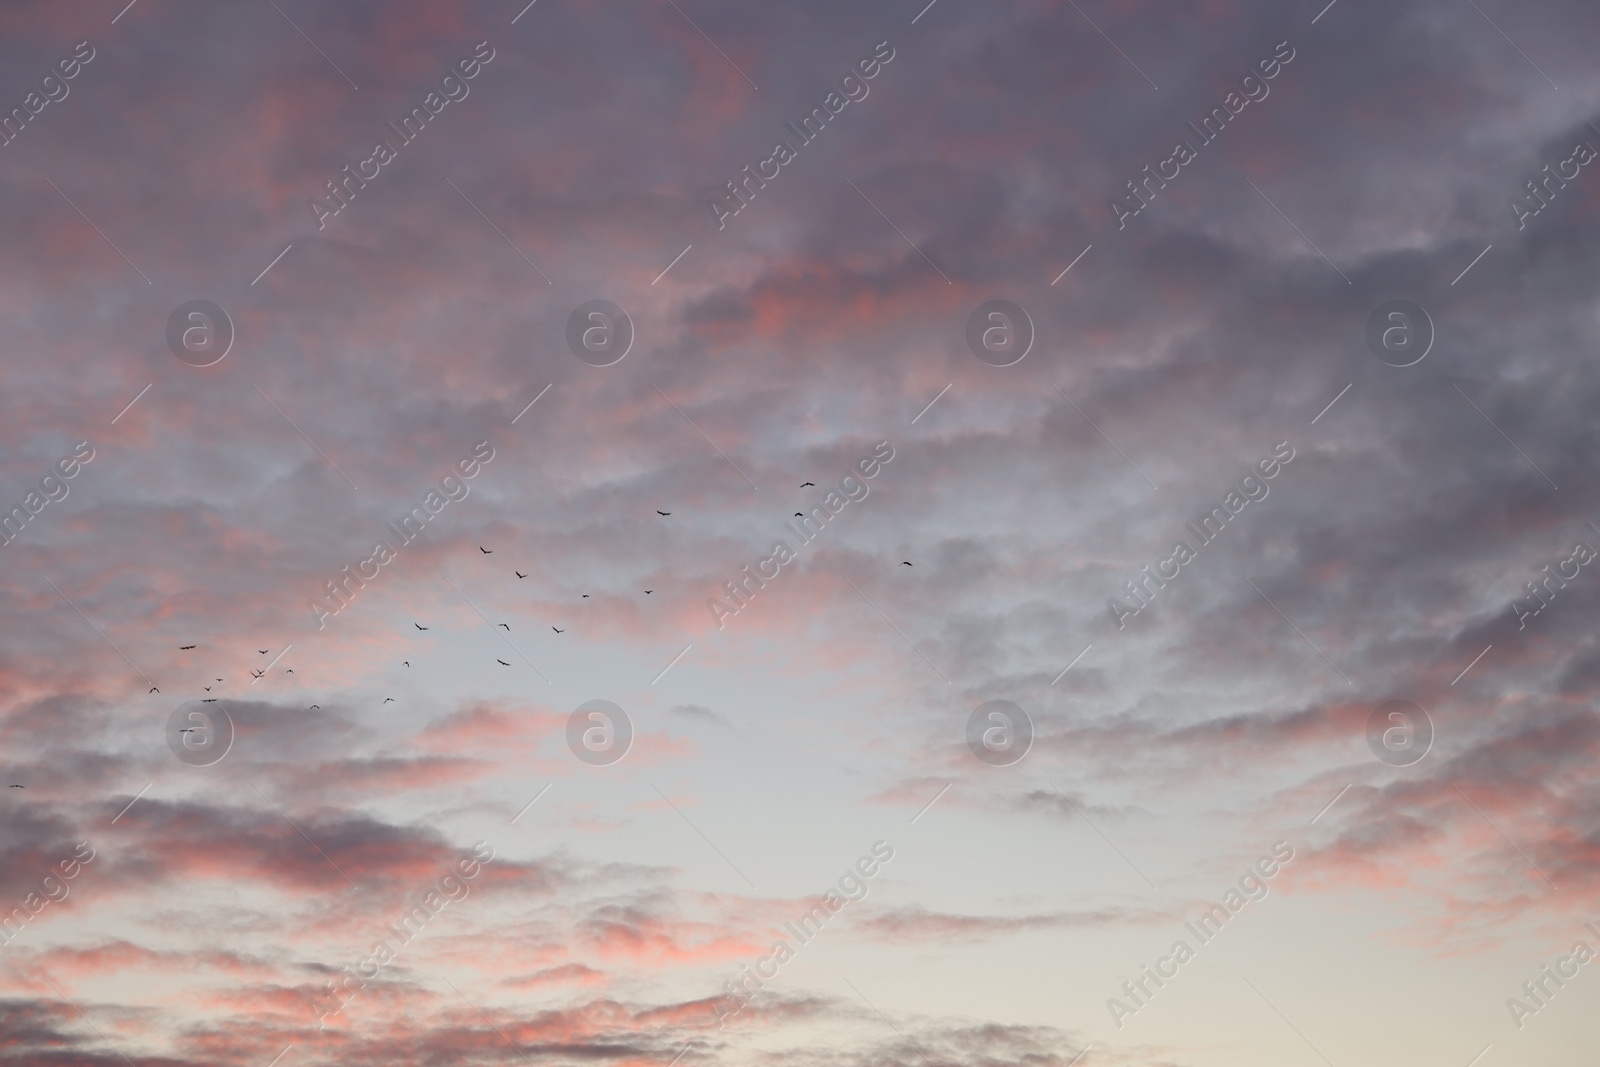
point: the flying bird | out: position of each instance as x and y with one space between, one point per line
558 631
419 626
586 596
315 707
207 688
153 689
502 662
647 592
289 671
903 563
18 787
518 573
799 514
663 512
258 674
804 484
212 700
486 551
508 629
219 679
184 648
388 700
406 662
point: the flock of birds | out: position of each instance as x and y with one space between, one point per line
487 552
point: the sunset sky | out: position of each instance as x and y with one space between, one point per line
1281 533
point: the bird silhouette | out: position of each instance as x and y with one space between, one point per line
289 671
586 596
903 563
262 651
558 631
418 626
153 689
207 688
508 629
502 662
315 707
211 700
388 700
647 592
184 648
258 674
18 787
219 679
663 513
804 484
518 573
486 551
799 514
406 662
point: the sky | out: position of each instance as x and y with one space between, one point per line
413 653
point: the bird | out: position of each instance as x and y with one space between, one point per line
315 707
419 626
508 629
586 596
558 631
19 787
207 688
289 671
388 700
486 551
658 512
184 648
502 662
406 662
647 592
518 573
212 700
904 563
153 689
804 484
219 679
258 674
799 514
